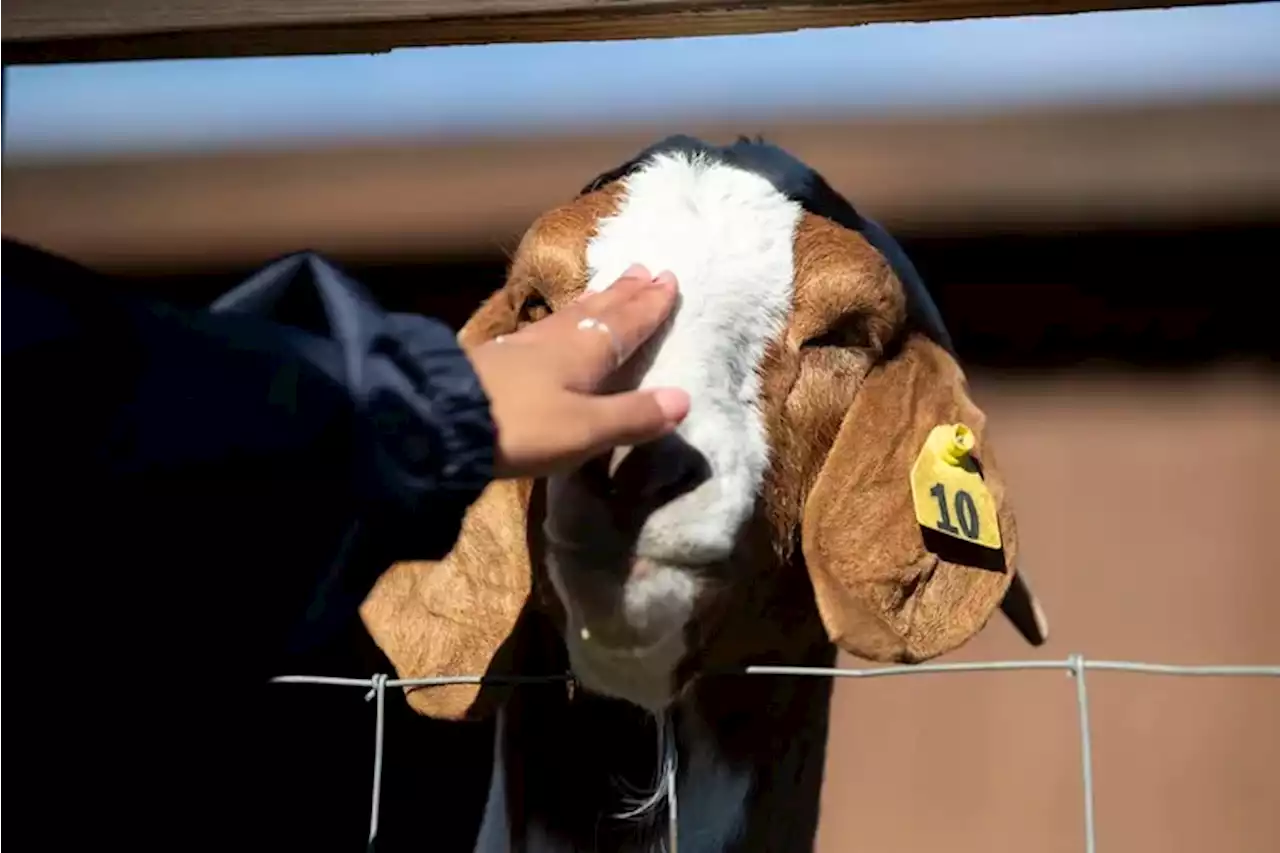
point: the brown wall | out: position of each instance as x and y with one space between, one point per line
1146 511
1037 168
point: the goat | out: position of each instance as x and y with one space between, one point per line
776 525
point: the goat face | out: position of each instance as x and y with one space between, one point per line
817 366
641 540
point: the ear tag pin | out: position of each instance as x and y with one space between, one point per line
948 491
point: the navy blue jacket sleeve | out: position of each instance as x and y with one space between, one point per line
225 485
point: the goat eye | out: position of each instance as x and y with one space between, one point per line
832 338
534 309
849 333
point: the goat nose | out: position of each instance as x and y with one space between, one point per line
650 475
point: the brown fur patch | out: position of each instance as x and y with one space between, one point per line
453 617
450 618
846 291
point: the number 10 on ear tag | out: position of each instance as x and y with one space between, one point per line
949 493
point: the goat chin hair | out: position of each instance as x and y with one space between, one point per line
644 806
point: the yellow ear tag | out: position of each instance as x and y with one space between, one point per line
949 494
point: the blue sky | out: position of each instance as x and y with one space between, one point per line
1159 54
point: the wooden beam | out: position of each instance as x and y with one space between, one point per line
46 31
1084 167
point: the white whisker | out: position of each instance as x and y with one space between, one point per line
664 785
640 805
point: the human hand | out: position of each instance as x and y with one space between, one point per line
542 381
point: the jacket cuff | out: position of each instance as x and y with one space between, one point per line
468 435
435 438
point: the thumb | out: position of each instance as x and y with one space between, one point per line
634 417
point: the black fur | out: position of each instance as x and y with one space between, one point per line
789 176
805 186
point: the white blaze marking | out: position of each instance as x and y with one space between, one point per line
727 235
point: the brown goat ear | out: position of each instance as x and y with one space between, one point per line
890 585
455 617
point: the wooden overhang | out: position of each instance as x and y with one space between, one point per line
43 31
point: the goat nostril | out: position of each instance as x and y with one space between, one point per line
655 474
682 475
595 475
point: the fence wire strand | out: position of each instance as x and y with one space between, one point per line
1086 750
1074 665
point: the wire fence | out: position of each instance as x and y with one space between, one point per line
1074 665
